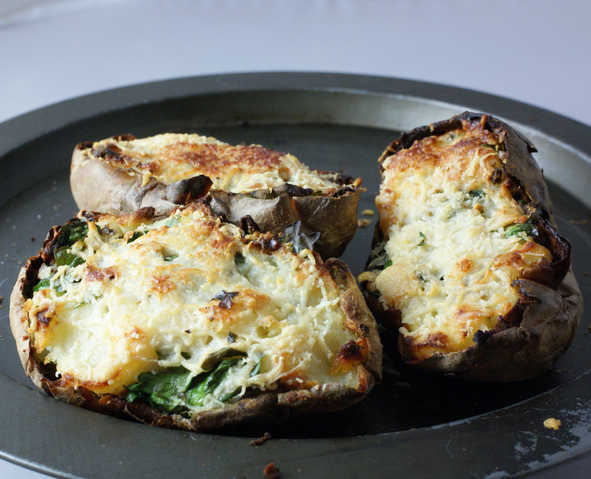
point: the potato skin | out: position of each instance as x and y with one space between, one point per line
539 329
333 215
267 406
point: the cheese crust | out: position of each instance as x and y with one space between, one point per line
171 157
136 294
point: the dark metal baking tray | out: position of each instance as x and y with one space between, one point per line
410 426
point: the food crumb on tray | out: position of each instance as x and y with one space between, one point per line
363 222
368 212
271 471
552 423
261 440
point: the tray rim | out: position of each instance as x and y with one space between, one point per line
567 131
50 118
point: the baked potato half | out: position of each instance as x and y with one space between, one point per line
467 267
275 189
188 322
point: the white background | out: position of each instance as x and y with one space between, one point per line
536 51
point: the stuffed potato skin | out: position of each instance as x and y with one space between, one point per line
539 324
326 203
268 405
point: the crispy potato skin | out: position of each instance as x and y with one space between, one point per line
540 327
268 406
333 215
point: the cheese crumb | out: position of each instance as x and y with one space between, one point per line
368 212
552 423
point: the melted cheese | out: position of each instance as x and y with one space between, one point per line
172 157
149 304
452 264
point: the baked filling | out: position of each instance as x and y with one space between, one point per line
187 313
455 240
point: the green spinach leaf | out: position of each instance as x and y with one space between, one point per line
528 228
64 258
164 390
42 284
422 242
174 390
257 368
212 380
71 232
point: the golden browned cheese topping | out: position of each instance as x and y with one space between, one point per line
213 159
456 239
132 296
172 157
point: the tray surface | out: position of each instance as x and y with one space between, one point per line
411 425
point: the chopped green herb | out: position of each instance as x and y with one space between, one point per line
169 256
387 264
476 193
225 298
422 242
135 235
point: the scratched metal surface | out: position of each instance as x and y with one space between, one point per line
332 122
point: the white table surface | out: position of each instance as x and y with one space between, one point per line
536 51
